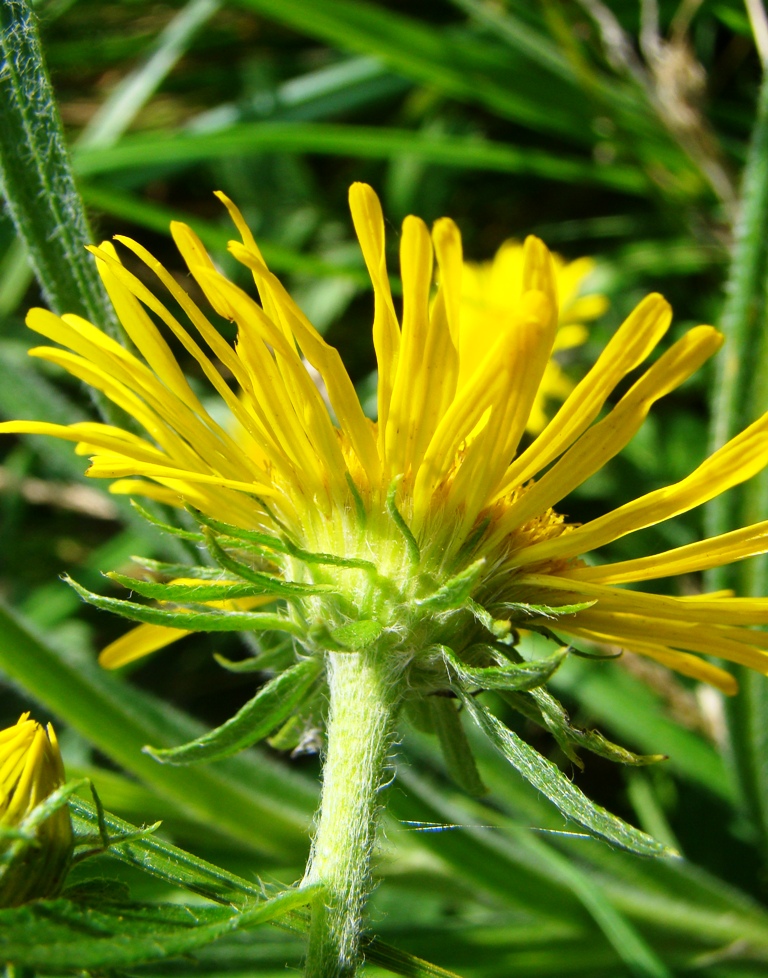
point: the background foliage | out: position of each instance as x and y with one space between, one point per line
619 131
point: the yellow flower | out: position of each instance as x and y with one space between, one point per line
432 529
490 294
30 770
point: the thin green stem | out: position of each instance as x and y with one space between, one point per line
364 700
737 390
741 395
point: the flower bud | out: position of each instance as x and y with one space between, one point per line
34 853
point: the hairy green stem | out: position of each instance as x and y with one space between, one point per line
36 176
364 701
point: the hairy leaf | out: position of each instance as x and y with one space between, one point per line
270 707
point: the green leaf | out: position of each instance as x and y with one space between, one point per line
540 706
177 570
358 635
367 142
51 934
186 593
546 610
281 544
36 177
175 531
172 865
193 621
133 91
268 583
630 708
401 962
514 676
270 707
260 585
551 781
456 591
262 805
457 753
161 859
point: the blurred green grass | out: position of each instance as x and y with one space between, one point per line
512 118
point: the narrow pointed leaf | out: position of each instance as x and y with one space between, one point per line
177 570
268 583
454 744
547 610
187 593
358 635
175 531
281 544
455 592
550 780
514 676
270 707
192 621
555 718
62 934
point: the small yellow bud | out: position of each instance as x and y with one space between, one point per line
34 854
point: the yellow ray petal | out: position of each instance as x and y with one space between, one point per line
725 643
682 662
141 292
89 433
726 548
715 609
145 334
738 460
500 394
111 467
326 361
368 220
629 346
409 391
608 437
137 643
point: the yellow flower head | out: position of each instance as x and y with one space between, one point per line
490 294
30 770
429 528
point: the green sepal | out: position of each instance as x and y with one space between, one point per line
500 628
269 708
212 620
175 531
456 591
543 709
411 544
187 593
178 570
454 745
251 664
546 610
293 735
281 544
358 635
275 658
547 778
522 675
268 583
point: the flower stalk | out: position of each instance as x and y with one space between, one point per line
364 699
